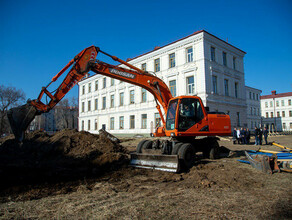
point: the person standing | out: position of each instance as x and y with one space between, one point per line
261 136
256 135
238 135
242 135
247 136
234 136
265 133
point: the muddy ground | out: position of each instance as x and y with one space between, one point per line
88 177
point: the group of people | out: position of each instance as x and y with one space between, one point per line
242 136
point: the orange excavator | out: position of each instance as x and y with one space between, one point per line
186 117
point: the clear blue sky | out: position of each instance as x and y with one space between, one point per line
38 38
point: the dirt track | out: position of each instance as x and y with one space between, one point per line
221 189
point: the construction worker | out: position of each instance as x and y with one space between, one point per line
265 133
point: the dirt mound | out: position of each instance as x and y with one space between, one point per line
65 156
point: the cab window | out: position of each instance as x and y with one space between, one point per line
190 113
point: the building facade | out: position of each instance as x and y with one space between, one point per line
200 64
253 107
277 111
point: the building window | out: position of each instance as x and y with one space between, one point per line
189 54
284 126
238 118
172 86
95 124
267 114
290 113
171 60
157 65
214 82
144 95
277 103
112 101
253 96
289 102
104 83
89 105
266 104
95 104
249 95
278 114
144 121
132 121
257 96
226 87
103 102
282 103
96 85
112 123
272 115
290 125
190 85
132 97
271 104
88 125
143 66
112 82
121 122
83 107
234 63
224 58
121 99
157 120
89 87
82 125
83 90
283 114
251 110
212 53
236 89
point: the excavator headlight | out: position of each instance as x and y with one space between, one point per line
172 134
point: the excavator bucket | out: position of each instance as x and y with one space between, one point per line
20 118
169 163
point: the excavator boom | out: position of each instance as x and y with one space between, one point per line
85 61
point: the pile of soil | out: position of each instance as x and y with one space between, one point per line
67 155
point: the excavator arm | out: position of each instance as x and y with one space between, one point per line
86 61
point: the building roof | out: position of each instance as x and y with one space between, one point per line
253 88
195 33
275 95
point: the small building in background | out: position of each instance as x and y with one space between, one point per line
277 111
253 107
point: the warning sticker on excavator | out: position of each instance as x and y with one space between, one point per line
121 73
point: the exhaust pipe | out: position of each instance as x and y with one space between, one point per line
20 118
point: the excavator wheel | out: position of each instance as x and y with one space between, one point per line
186 155
214 151
176 148
145 144
140 145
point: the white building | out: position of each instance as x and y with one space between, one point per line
277 111
253 108
199 64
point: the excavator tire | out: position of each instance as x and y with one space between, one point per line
186 155
176 148
214 151
147 145
140 146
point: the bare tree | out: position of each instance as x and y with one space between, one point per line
9 97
